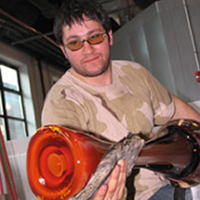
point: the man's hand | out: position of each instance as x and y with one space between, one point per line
114 189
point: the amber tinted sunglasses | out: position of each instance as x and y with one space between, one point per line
94 39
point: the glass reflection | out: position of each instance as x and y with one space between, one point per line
17 129
13 105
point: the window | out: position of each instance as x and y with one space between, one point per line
12 114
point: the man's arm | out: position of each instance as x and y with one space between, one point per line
184 111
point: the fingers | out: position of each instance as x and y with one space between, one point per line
122 178
100 195
113 182
114 189
117 182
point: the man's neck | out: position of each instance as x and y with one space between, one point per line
100 80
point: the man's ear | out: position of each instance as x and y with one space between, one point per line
110 37
63 50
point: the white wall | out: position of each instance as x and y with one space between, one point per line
160 39
17 152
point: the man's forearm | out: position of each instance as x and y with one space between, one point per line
184 111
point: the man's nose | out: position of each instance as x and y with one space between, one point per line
87 47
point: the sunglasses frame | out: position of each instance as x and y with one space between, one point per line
86 40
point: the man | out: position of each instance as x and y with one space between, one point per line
110 98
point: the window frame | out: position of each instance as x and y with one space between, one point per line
4 89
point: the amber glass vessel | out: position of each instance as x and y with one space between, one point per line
176 153
60 161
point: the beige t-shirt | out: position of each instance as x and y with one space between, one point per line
134 102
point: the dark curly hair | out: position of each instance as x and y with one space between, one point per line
73 11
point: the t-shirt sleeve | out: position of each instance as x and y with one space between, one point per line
162 100
61 111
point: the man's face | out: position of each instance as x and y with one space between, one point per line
90 60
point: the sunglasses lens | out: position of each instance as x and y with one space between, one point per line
75 45
96 39
93 39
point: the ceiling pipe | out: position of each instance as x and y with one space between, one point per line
28 27
44 47
32 38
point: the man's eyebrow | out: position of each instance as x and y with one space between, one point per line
72 37
88 33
